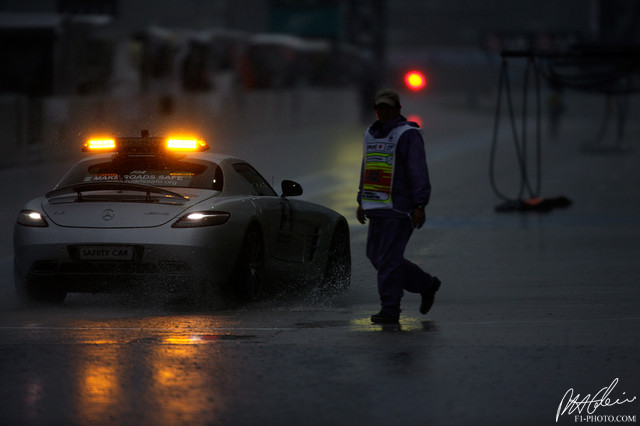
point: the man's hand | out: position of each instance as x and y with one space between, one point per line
418 217
362 218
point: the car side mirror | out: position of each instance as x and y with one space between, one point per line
290 188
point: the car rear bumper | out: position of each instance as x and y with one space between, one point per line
160 255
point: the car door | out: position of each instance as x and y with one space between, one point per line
277 212
307 228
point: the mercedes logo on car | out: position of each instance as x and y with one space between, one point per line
108 214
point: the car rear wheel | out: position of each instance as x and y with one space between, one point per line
249 277
337 275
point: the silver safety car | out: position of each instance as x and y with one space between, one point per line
153 211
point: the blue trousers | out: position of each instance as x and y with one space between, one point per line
386 242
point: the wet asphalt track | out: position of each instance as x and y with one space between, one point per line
531 306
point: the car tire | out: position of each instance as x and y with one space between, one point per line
29 290
249 276
337 275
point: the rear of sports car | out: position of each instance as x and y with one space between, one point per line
98 246
115 222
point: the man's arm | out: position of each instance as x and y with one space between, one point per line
418 174
360 215
417 169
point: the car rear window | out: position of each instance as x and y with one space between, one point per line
163 172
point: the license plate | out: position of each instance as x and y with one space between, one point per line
106 253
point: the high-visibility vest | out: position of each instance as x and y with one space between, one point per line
379 164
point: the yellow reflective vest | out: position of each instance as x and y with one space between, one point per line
379 162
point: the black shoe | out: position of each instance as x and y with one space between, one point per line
383 317
428 297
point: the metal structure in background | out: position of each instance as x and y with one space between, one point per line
611 71
605 63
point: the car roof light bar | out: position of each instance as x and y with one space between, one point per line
145 145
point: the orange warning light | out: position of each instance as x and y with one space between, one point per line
100 144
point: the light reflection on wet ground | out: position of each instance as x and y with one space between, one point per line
167 367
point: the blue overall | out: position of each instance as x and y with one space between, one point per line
390 229
386 241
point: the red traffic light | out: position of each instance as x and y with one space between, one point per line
415 80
